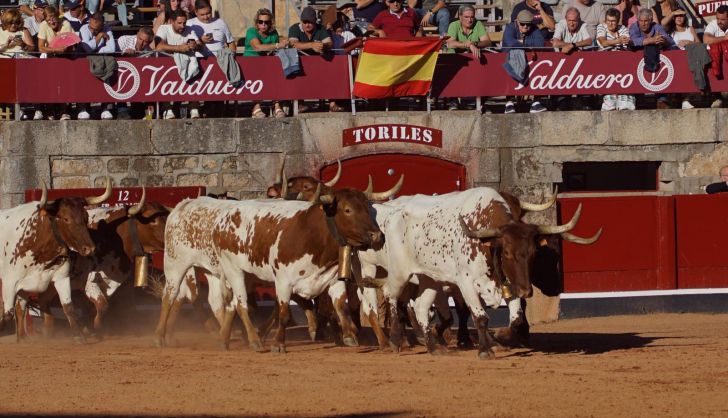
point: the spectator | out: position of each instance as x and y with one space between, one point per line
164 14
716 31
47 31
645 33
629 10
310 38
32 23
720 187
571 33
216 38
96 38
466 35
76 14
177 37
591 13
14 38
26 6
136 44
614 36
523 33
367 10
432 12
264 39
543 16
396 22
683 34
663 11
340 34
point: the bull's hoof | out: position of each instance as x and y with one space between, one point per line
465 343
439 351
79 339
257 346
508 337
421 340
158 342
171 342
351 342
486 355
395 347
278 349
312 335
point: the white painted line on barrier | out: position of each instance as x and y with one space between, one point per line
642 293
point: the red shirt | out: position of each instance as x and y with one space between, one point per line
395 26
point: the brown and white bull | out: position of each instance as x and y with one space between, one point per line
469 239
120 234
293 244
39 238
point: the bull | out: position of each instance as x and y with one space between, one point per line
292 244
120 234
40 238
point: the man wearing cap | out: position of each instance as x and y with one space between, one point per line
432 12
26 6
396 22
308 36
76 14
523 33
571 33
32 22
543 15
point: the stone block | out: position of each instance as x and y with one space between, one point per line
707 164
663 127
269 135
179 163
39 138
209 163
117 165
146 164
574 128
22 173
81 166
236 181
196 179
129 182
199 136
485 167
118 137
515 130
71 182
156 180
669 171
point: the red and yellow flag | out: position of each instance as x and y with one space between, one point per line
395 68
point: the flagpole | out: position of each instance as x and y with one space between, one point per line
351 85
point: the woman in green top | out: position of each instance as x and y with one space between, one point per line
263 39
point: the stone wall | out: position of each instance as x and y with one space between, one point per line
522 153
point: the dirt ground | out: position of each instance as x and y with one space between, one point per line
651 365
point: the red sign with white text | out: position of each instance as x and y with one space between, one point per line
377 134
708 8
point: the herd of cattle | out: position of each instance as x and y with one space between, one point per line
416 250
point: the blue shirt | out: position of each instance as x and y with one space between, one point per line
513 38
89 45
638 37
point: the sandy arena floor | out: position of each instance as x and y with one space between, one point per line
652 365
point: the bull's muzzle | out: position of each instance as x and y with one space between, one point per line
87 250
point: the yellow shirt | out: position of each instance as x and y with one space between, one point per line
4 37
45 31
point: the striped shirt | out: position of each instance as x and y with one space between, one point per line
603 32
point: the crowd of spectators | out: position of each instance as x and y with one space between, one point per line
185 28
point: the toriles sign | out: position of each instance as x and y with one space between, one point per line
377 134
708 8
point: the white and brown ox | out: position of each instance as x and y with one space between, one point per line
38 240
469 239
120 234
292 244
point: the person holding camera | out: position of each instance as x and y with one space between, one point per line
14 38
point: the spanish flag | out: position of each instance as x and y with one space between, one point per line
395 68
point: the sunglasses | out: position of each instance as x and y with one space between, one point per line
263 22
307 22
394 1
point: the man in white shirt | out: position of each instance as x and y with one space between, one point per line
591 12
571 33
213 32
716 30
134 44
32 22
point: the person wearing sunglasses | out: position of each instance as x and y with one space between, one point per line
523 33
543 15
396 22
76 14
263 39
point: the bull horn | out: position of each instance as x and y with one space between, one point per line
336 178
279 173
134 210
538 207
386 195
579 240
370 186
284 183
327 199
96 200
169 208
316 195
43 195
481 233
560 229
